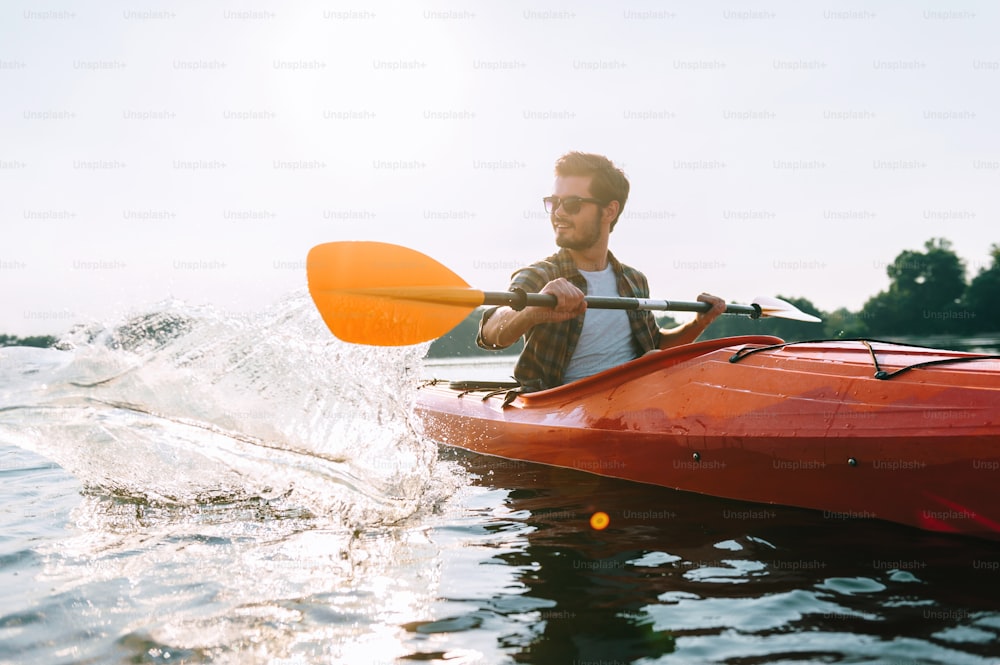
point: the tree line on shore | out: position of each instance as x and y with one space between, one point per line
34 340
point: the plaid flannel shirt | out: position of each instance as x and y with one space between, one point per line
548 347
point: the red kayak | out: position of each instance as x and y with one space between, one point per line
857 429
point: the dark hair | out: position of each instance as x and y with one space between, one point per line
608 182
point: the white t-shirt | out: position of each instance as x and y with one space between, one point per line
606 340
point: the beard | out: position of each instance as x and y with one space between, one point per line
589 232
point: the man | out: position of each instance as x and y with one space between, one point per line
568 342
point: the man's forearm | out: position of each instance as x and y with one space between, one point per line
506 326
682 334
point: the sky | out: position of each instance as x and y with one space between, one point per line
195 151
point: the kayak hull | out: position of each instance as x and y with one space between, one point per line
806 425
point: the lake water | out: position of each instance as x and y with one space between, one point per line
181 487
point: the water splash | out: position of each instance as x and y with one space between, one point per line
185 405
252 488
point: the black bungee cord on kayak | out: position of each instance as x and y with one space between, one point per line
880 373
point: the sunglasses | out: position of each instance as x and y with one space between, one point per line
571 204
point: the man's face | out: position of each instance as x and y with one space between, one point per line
580 230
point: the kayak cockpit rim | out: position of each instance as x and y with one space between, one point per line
640 365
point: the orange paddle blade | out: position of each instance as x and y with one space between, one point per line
386 295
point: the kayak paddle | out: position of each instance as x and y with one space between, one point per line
387 295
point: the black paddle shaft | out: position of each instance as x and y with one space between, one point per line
518 300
